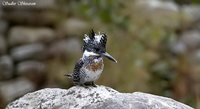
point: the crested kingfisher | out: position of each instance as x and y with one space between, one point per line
89 68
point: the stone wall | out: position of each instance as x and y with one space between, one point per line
30 38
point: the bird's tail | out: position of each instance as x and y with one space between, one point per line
68 75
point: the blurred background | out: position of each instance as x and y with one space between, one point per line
156 43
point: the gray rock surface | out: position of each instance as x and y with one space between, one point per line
178 47
29 51
26 67
100 97
192 12
156 12
191 38
65 47
72 26
158 4
23 35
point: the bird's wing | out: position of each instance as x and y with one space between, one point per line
76 72
78 65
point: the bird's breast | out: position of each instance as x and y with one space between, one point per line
95 65
93 70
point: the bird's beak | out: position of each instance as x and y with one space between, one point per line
109 57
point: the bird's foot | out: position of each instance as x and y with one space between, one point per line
93 84
87 84
84 85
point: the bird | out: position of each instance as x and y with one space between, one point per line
89 67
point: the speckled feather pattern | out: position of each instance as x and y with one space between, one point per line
88 70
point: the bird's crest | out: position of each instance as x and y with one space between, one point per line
94 41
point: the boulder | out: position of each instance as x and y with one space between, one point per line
23 35
99 97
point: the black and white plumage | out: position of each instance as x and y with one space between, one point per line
89 68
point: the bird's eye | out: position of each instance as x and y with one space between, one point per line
97 49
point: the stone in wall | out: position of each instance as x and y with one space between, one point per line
191 12
3 45
6 67
191 38
29 51
65 47
3 26
27 67
158 12
22 35
73 27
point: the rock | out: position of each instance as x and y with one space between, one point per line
192 12
3 26
188 41
195 57
72 26
3 45
191 38
99 97
26 67
34 71
156 12
29 51
23 35
65 47
158 4
178 47
15 88
6 67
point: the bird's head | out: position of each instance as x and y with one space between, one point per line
95 45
